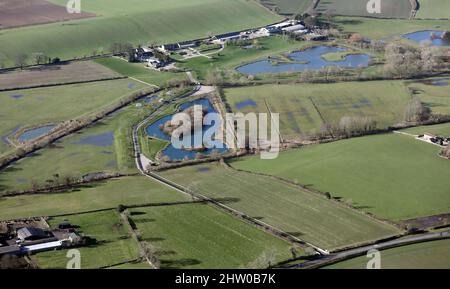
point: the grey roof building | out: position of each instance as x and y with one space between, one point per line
31 234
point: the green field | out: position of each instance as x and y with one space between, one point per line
435 97
25 108
378 29
139 71
308 216
434 9
135 21
96 196
199 236
104 147
389 8
114 244
392 176
299 105
439 129
288 7
431 255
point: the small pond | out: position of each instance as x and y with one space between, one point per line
432 36
309 59
245 103
179 154
32 134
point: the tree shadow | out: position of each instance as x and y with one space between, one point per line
179 264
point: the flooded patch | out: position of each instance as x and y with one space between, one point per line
131 85
434 37
435 82
5 137
32 134
309 59
100 140
16 96
154 130
204 169
245 103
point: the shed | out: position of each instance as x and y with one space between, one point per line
31 234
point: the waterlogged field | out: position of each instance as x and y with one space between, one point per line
439 129
434 9
104 147
305 108
307 216
96 196
392 176
31 107
112 242
434 93
135 21
198 236
430 255
388 8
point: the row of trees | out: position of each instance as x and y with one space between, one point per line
446 152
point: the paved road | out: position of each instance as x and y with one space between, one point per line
361 251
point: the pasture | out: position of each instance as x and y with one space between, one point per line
389 8
288 7
305 108
112 242
434 93
307 216
392 176
434 9
31 107
17 13
197 236
134 21
438 129
55 74
430 255
105 146
383 29
101 195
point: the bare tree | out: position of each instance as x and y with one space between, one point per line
20 60
39 58
416 111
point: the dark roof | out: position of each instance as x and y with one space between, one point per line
227 35
31 232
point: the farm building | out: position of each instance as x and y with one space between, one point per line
31 234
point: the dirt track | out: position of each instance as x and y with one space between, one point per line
17 13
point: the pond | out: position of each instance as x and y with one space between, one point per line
309 59
175 154
245 104
432 36
35 133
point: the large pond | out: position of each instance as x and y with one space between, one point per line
432 36
309 59
32 134
175 154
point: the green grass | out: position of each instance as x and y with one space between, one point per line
389 8
135 21
139 71
151 147
387 28
114 244
59 103
434 9
435 97
430 255
100 195
392 176
439 129
69 157
198 236
233 56
382 101
288 7
308 216
132 266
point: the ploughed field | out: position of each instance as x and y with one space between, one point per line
135 21
308 216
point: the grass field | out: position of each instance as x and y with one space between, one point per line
25 108
139 71
288 7
308 216
439 129
135 21
100 195
393 176
199 236
104 147
389 8
299 105
431 255
435 97
55 74
387 28
434 9
114 244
